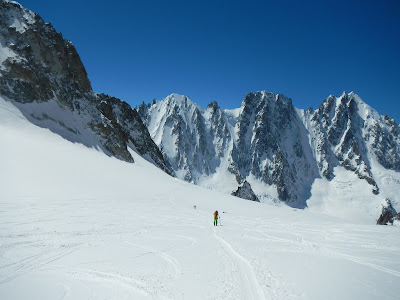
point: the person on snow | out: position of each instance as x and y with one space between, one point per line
216 218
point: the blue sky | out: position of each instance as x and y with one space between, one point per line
221 50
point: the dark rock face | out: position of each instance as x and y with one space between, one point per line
339 138
354 131
44 65
388 214
244 191
43 71
271 146
385 142
219 128
129 128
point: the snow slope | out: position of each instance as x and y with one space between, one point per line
77 224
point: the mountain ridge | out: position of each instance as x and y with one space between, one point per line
272 141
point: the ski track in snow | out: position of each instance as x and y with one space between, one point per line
250 284
67 292
300 243
168 258
361 261
253 270
110 277
31 263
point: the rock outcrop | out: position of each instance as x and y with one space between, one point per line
244 191
388 214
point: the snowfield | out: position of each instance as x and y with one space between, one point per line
77 224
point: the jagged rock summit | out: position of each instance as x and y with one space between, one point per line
42 74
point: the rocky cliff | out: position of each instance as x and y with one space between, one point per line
42 74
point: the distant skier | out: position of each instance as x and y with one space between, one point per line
216 218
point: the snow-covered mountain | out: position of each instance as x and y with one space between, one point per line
279 149
42 75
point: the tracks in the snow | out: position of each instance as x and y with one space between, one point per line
251 288
168 258
114 278
33 262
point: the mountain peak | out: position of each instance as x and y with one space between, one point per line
36 63
177 98
14 15
179 101
213 105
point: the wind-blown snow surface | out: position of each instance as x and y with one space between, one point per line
77 224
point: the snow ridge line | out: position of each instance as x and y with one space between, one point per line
249 280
